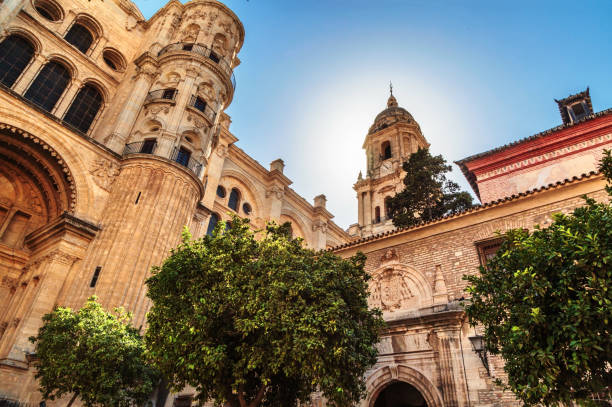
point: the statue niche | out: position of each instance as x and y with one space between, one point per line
220 44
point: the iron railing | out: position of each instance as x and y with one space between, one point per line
204 51
179 156
141 147
200 105
186 160
168 94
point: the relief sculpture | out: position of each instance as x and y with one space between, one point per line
390 290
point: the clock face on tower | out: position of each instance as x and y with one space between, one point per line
386 167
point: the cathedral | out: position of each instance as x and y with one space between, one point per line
113 137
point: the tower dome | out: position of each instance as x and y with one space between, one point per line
391 115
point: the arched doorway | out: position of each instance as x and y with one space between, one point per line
400 394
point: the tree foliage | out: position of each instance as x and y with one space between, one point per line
545 302
93 355
427 194
261 321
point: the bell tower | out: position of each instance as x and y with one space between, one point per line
391 139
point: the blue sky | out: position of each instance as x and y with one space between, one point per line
475 75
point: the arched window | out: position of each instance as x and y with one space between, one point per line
386 150
214 219
80 37
220 192
233 199
377 214
49 85
15 54
84 108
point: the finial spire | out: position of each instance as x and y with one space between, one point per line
392 102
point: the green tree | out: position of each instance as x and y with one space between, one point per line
427 194
545 302
94 355
261 321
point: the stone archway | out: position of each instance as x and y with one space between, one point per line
389 375
400 394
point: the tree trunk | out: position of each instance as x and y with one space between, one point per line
72 399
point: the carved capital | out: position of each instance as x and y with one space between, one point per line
275 191
319 225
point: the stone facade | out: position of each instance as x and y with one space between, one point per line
417 272
113 137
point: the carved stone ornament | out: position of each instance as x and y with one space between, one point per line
104 173
222 152
319 225
147 70
389 256
275 190
390 290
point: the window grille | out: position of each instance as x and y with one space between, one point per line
48 86
84 108
80 37
15 54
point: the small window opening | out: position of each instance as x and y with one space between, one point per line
169 94
198 103
220 192
246 208
183 156
214 57
94 279
187 47
377 214
137 199
148 146
386 150
48 10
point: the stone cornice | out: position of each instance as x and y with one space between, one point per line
150 159
53 232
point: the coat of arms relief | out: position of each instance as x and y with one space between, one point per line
390 290
391 287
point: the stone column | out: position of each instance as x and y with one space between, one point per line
275 195
446 342
55 249
28 74
360 208
213 174
184 93
367 209
65 101
9 10
146 72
